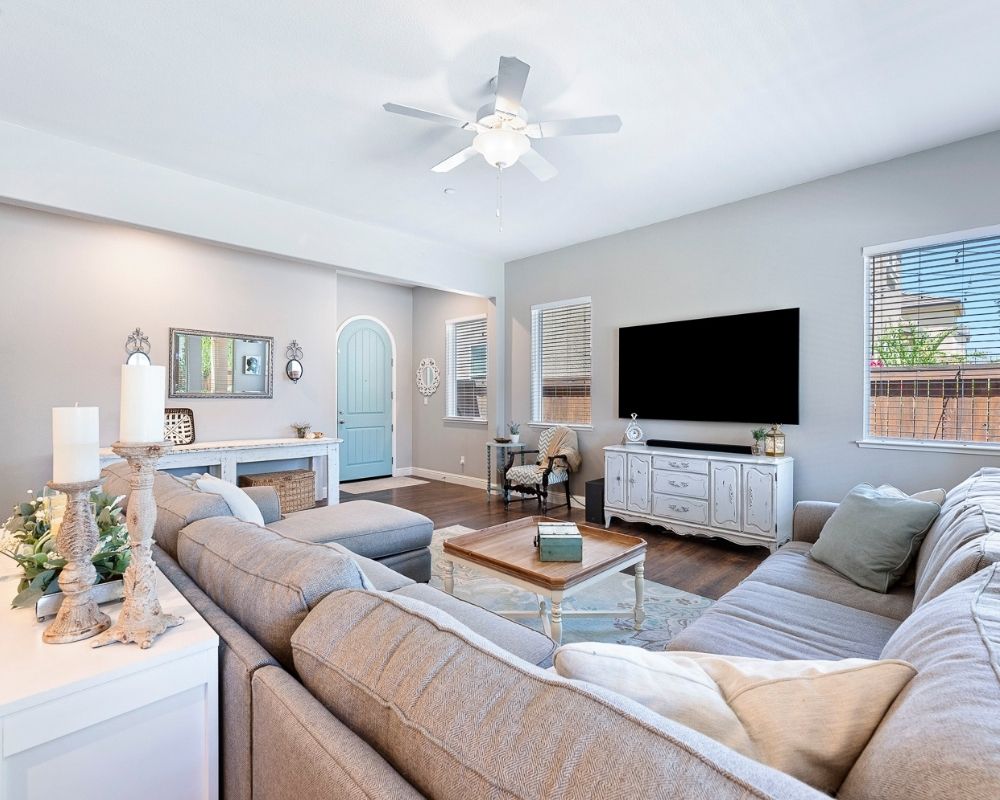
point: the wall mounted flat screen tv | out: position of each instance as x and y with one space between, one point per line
739 368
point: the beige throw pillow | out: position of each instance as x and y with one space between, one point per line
810 719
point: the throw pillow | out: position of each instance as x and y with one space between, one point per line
810 719
240 504
874 535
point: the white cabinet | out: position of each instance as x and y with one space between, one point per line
758 498
637 494
726 496
114 722
745 499
614 480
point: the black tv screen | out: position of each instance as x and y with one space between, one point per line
739 368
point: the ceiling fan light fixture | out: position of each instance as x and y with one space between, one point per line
501 147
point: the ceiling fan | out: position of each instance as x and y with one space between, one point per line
503 136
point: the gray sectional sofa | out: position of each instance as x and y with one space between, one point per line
342 678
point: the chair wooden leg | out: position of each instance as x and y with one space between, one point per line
569 503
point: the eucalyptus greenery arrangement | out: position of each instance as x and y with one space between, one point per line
29 538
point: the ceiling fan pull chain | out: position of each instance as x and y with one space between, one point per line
500 198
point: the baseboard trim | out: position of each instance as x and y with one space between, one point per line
402 472
448 477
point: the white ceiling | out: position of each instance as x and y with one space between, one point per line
720 100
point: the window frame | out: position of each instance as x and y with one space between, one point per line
450 379
534 384
888 443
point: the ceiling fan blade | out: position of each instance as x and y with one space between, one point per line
537 165
574 127
512 75
453 161
429 116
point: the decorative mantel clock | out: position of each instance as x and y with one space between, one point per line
633 433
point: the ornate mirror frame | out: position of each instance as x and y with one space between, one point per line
428 377
266 366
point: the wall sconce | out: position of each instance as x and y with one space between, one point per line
137 348
293 369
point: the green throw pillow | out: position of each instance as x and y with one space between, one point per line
874 535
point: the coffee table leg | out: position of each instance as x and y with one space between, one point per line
556 615
449 577
640 612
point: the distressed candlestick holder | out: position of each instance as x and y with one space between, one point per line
141 619
78 616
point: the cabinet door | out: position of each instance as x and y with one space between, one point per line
758 499
726 496
638 483
614 480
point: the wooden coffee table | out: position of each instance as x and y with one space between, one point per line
507 552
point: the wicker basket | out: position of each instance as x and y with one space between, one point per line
296 487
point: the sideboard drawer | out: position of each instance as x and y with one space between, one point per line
681 464
689 484
683 509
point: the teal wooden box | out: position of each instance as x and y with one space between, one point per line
560 548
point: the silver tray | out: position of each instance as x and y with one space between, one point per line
109 592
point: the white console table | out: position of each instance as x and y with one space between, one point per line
745 499
113 723
221 458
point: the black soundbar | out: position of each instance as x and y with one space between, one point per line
741 449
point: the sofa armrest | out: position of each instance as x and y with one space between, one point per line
267 500
809 518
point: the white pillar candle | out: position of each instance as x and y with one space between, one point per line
143 387
75 437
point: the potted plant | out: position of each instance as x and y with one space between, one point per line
301 429
758 440
515 432
29 537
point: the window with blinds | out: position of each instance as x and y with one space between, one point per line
933 323
467 365
560 362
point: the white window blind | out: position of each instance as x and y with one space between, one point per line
934 342
467 366
560 362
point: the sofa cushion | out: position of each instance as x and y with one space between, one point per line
522 641
461 718
939 739
810 719
962 524
967 560
874 535
758 620
363 526
792 568
265 582
177 504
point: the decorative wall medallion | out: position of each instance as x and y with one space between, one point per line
428 377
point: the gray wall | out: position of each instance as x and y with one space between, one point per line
796 247
391 305
74 289
439 444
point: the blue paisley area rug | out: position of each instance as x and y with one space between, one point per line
668 610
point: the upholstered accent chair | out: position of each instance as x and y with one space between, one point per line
558 455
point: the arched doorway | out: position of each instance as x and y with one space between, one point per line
365 359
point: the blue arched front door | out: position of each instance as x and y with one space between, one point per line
364 400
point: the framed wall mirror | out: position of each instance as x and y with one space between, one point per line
211 364
428 377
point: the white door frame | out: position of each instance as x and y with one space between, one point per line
336 394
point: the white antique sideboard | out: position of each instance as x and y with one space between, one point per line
745 499
221 458
113 722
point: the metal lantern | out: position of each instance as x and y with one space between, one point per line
774 441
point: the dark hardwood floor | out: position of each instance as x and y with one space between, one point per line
708 567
